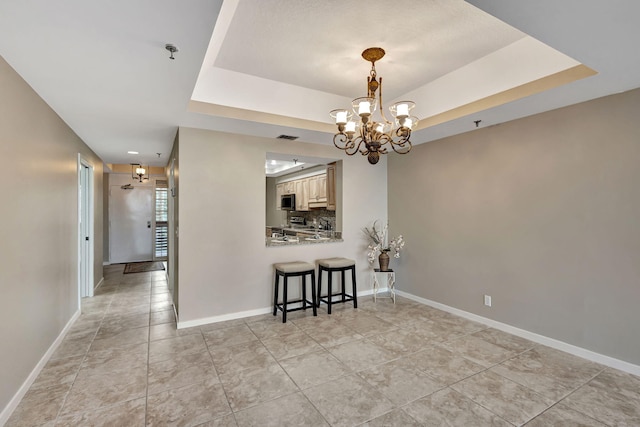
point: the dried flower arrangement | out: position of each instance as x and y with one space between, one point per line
379 241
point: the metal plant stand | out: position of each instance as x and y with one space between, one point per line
390 277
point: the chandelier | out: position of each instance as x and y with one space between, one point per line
367 136
138 172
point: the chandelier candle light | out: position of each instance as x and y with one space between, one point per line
375 135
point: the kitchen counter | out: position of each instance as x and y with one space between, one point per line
301 240
300 236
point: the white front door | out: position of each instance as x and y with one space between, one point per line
130 237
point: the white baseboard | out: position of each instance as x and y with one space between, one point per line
223 317
243 314
15 400
531 336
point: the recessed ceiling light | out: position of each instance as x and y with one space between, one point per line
132 152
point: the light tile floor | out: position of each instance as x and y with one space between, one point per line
124 364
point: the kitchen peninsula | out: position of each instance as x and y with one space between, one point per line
300 240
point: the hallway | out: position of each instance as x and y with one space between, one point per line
124 364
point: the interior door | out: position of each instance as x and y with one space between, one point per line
130 232
85 245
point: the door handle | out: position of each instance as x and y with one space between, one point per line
148 224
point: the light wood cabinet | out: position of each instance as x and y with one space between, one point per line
289 187
302 194
322 187
331 187
283 188
318 188
279 193
318 191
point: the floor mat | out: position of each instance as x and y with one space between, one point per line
143 267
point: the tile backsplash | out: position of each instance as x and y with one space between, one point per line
322 216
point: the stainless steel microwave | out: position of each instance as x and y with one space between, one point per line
288 202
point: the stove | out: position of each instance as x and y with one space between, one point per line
296 221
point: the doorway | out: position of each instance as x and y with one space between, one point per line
85 228
130 223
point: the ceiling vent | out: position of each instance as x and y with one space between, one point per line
289 137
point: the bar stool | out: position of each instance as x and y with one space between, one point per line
294 269
331 265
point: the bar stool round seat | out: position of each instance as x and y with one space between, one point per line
342 265
294 269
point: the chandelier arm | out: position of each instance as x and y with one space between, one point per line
355 148
384 139
342 138
402 150
403 145
344 142
341 141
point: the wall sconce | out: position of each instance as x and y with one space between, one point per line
138 172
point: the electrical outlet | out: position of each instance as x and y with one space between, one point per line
487 300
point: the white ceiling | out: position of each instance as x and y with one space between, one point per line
316 47
276 67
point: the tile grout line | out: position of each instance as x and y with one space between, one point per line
300 390
218 376
578 388
146 394
84 357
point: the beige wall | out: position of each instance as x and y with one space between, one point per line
540 213
38 228
225 267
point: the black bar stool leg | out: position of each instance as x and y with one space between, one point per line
344 286
354 287
284 300
329 293
275 294
313 294
319 293
304 292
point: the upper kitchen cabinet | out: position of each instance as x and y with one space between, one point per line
318 191
279 193
331 187
289 187
302 194
283 188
